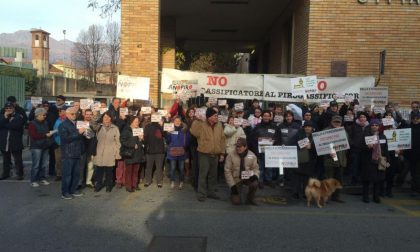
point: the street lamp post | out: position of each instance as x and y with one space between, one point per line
64 53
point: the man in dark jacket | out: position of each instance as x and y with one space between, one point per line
325 118
114 109
263 133
71 150
155 152
18 109
11 132
414 153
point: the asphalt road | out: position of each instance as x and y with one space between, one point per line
36 219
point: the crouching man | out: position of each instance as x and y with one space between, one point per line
241 168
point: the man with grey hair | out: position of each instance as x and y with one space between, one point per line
71 151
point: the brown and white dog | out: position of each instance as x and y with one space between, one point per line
321 190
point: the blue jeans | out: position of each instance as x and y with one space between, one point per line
266 174
173 169
70 175
40 162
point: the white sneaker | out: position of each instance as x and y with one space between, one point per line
44 182
181 185
34 184
172 185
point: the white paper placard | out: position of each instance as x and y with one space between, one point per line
278 119
239 106
200 113
123 111
212 100
281 156
221 102
169 127
86 103
138 132
247 174
82 125
96 106
133 87
163 112
156 117
398 139
388 121
222 118
371 140
35 101
336 136
348 118
146 110
264 142
374 97
303 143
103 110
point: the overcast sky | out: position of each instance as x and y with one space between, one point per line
53 16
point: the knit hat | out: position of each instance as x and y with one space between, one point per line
210 112
375 121
362 113
241 142
308 124
11 99
333 103
39 111
8 104
336 118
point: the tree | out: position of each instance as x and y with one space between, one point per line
113 47
89 50
107 9
222 62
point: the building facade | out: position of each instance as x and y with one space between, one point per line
309 37
40 51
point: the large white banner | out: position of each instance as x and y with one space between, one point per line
277 88
398 139
221 85
133 87
332 140
264 87
281 157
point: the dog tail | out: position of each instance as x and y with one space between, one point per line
314 183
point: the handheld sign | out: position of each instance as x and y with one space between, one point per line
371 140
246 174
103 110
156 117
137 131
303 143
163 112
239 106
388 121
123 111
35 101
146 110
281 156
82 125
169 127
212 100
86 103
222 118
221 102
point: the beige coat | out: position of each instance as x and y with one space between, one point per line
232 134
210 141
233 167
108 149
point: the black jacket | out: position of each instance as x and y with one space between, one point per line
71 141
115 117
262 130
154 142
357 136
369 168
11 132
128 141
286 133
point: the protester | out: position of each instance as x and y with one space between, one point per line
41 141
132 153
263 135
357 142
71 151
107 152
325 118
11 132
237 162
86 162
414 154
371 158
335 162
211 149
177 109
178 141
19 110
255 118
154 144
233 133
306 159
57 150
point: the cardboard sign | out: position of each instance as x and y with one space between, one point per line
103 110
133 87
222 118
35 101
278 119
222 102
82 125
86 103
398 139
337 137
371 140
212 100
247 174
156 117
169 127
138 132
146 110
304 85
281 157
388 121
348 118
200 113
123 111
239 106
303 143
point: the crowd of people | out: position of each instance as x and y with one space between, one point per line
105 147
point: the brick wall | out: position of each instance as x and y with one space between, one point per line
300 38
140 30
348 30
